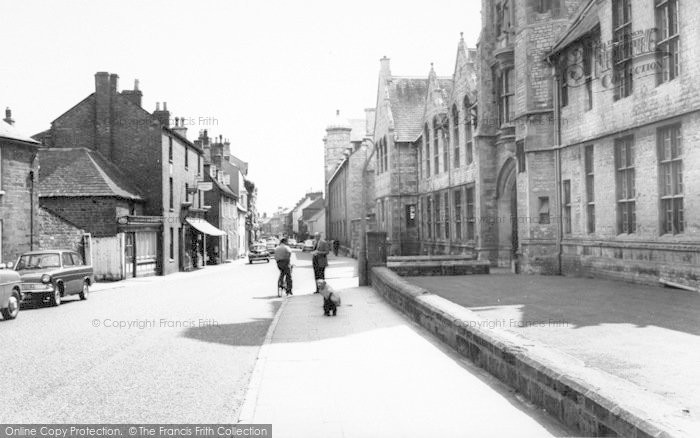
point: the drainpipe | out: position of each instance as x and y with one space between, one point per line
557 169
31 203
362 255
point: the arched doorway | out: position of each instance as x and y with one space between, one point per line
507 222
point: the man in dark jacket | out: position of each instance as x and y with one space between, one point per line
320 259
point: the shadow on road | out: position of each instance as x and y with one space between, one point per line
248 333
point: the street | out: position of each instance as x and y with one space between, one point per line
178 348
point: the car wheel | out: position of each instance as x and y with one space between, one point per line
85 292
268 260
55 299
12 309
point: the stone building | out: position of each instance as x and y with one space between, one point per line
158 159
628 101
347 142
19 200
398 126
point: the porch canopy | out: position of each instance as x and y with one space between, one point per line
204 226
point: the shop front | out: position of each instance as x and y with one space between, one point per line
198 234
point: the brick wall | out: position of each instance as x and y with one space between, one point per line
57 233
95 215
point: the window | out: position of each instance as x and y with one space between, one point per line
667 44
505 102
446 147
626 194
187 157
670 151
457 196
544 210
590 188
436 147
411 215
77 259
170 149
199 164
172 200
427 151
567 205
386 154
622 47
455 134
563 83
520 155
429 216
172 244
471 220
543 6
446 214
67 260
469 118
588 58
438 218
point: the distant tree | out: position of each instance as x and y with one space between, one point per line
252 219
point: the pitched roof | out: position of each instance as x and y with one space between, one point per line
10 132
312 209
242 165
585 20
232 170
407 98
81 172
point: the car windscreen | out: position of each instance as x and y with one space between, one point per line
38 261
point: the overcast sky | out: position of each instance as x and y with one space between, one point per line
269 75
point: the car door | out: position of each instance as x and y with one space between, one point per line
68 273
81 271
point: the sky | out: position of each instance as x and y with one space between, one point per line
267 75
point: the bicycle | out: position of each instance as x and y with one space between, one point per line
282 283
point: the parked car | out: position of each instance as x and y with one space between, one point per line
10 292
258 252
270 245
308 245
292 243
53 275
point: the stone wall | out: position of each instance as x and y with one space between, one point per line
585 399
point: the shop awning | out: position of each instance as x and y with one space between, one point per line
204 226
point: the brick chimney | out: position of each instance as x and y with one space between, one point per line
163 115
8 116
384 67
204 143
180 127
134 96
105 91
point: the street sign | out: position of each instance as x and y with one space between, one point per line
205 186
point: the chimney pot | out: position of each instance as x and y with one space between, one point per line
165 106
136 84
157 106
8 116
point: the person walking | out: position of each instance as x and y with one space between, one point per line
320 259
283 256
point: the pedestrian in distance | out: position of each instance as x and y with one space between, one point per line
284 258
319 259
336 247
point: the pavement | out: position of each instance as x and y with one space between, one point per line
370 372
647 335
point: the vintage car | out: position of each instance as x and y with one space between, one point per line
258 252
10 293
308 245
53 275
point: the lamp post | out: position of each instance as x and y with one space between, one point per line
362 256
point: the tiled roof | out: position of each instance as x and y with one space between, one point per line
10 132
407 97
81 172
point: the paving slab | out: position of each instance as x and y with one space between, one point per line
369 372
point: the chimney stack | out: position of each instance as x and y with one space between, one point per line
163 116
134 96
180 127
105 91
8 116
385 69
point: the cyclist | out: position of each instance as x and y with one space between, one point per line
285 259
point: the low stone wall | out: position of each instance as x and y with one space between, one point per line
586 399
429 266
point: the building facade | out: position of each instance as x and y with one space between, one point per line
157 159
19 200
